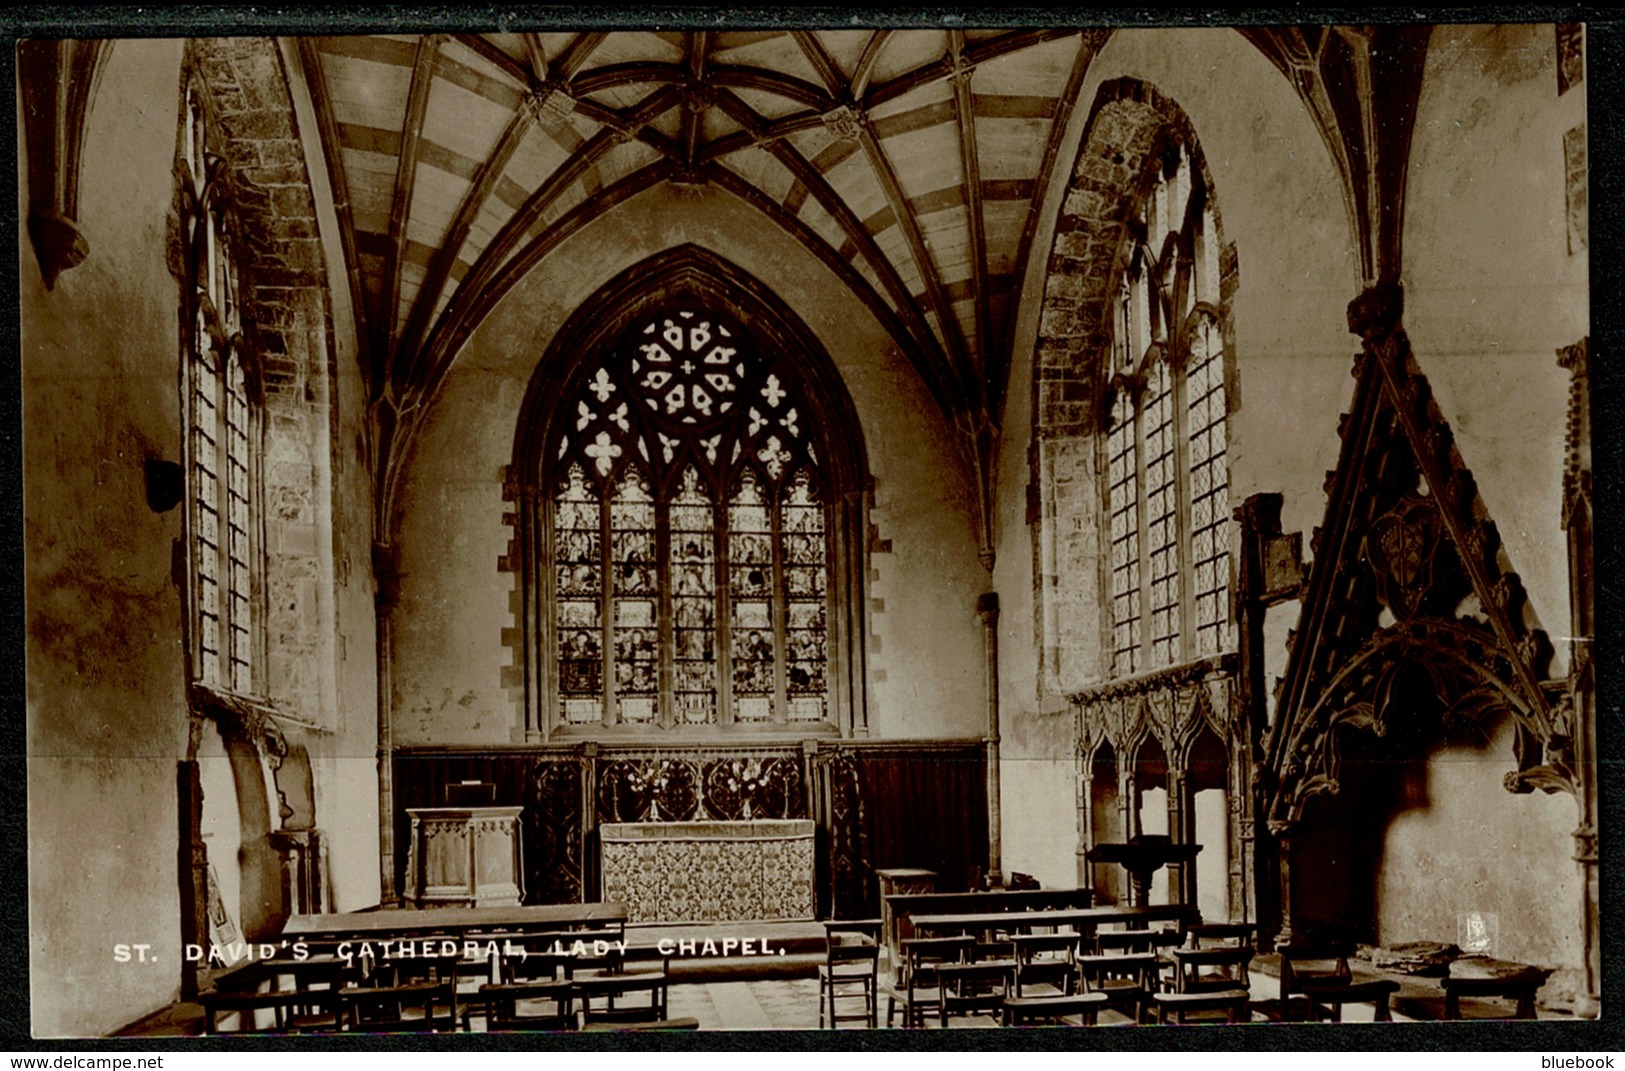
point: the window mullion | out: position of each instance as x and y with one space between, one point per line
1185 570
1143 538
606 606
780 611
724 610
666 689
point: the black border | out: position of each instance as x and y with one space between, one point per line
1605 78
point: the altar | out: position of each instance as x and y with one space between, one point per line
709 871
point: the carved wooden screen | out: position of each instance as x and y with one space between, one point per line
690 560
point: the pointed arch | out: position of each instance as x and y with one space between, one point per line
729 596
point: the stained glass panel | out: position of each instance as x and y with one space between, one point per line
750 587
806 574
635 589
721 471
693 567
578 566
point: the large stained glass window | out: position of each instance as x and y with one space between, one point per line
1167 493
688 537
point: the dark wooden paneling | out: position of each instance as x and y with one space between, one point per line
877 806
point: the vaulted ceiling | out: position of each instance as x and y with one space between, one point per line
909 161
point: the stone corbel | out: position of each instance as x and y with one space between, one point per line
57 80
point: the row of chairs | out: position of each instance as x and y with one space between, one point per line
1161 975
553 981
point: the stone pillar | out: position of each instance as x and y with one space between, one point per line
987 608
386 580
194 872
1582 683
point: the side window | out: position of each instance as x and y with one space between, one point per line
223 418
1167 493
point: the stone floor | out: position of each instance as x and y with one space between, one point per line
782 1004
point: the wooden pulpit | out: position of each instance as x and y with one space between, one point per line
467 856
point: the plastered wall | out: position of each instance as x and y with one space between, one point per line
106 709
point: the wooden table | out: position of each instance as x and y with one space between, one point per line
1084 920
452 921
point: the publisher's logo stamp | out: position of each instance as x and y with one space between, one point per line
1478 933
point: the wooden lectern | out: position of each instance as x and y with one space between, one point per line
467 856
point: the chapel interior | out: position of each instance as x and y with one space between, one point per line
719 484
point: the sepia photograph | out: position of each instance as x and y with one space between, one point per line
557 524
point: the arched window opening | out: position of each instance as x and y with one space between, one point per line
1150 804
1167 488
1207 777
1106 820
696 523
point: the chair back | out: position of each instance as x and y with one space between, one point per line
921 955
1220 934
528 1006
272 1011
1045 959
1108 942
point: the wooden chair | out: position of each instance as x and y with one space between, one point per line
916 990
1045 963
515 1006
1055 1010
978 987
1207 970
1320 973
850 971
411 1007
630 996
408 994
276 1011
1479 979
1208 982
1230 1003
1126 980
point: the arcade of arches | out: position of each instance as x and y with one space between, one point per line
986 444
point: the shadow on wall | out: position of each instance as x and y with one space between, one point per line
1340 851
